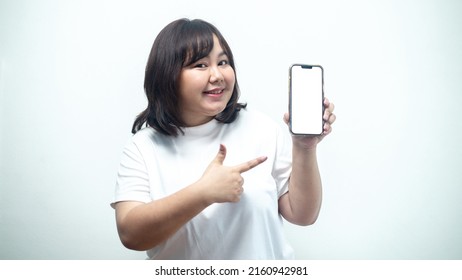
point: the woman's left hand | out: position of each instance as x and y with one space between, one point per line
308 141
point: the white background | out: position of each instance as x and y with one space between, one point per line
71 83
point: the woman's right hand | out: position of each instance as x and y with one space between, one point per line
222 183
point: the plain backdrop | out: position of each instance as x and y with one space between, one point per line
71 84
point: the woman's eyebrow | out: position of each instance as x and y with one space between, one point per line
223 53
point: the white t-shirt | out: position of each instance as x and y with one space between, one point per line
154 166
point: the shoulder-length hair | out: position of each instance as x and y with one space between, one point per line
179 44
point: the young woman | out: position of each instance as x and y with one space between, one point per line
204 177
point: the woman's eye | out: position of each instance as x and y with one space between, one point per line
200 65
223 62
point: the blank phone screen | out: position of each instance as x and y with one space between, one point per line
306 99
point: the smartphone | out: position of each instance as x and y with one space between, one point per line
306 99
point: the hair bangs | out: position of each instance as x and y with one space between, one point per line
197 41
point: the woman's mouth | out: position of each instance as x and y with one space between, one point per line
214 92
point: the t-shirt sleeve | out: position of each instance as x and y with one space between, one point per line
283 162
132 179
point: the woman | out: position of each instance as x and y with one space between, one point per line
203 177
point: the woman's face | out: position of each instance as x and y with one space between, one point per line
205 87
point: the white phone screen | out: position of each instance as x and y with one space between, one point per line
306 99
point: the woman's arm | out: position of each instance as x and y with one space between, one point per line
142 226
301 204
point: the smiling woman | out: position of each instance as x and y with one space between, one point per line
232 210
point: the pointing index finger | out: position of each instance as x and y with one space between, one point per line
246 166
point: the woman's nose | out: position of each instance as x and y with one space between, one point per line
215 74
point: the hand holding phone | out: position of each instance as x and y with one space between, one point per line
306 95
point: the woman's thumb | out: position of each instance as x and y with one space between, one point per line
220 158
